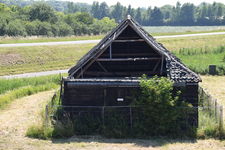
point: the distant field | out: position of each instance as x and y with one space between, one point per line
182 29
153 30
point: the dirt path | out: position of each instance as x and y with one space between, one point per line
15 119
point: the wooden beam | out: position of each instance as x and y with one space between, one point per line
130 40
134 54
122 73
130 37
110 51
123 27
143 36
162 65
90 63
156 65
124 67
127 59
101 66
82 73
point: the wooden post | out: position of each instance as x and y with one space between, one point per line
131 124
46 117
105 97
103 115
221 117
110 51
216 108
82 73
162 65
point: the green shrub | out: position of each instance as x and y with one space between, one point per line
15 28
160 115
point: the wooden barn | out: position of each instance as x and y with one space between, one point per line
106 75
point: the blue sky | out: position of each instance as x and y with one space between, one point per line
146 3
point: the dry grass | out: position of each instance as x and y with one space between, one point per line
214 85
196 42
19 60
22 112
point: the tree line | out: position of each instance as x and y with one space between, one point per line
186 14
57 18
180 15
41 19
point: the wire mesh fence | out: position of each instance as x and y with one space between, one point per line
209 105
208 112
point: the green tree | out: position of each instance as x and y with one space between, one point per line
175 16
138 16
210 14
72 8
156 16
103 10
117 12
15 28
43 12
219 10
187 14
202 16
62 29
131 11
43 28
147 16
85 18
31 28
95 10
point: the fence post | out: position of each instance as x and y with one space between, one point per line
131 124
221 117
216 108
46 117
103 115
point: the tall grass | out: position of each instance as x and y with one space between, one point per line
199 59
16 83
208 126
199 51
11 89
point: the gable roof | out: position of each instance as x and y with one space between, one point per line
175 69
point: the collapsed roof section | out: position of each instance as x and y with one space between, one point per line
129 51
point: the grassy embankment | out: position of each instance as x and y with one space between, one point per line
11 89
16 60
198 52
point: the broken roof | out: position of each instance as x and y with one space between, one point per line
176 70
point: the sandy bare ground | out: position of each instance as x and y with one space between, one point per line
16 118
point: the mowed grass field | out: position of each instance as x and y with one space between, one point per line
18 60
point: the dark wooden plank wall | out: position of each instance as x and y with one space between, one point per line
107 96
189 94
87 96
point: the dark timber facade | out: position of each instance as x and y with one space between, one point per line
107 74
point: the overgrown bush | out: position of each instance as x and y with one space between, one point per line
160 112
